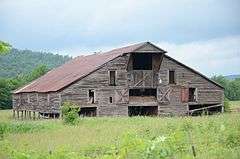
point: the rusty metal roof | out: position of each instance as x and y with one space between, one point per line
74 70
82 66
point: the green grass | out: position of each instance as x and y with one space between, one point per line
234 104
213 137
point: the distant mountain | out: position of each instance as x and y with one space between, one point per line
24 61
232 77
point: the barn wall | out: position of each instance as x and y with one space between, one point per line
207 92
99 82
38 102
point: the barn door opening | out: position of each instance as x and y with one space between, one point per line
142 61
88 111
142 110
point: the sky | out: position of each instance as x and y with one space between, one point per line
203 34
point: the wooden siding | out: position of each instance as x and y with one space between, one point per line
207 92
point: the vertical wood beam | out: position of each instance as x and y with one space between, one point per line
25 114
30 117
34 115
48 99
13 114
21 114
17 114
39 115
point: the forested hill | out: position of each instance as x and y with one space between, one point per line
24 61
232 77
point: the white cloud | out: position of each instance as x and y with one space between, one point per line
211 57
216 56
80 27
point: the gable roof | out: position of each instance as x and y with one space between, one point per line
77 68
82 66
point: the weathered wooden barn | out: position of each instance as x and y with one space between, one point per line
135 80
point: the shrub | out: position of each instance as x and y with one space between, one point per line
70 113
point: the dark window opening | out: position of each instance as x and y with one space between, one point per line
91 96
110 99
142 110
171 77
142 61
112 79
88 111
143 92
192 97
208 111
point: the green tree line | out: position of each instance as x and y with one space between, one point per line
17 62
232 87
15 66
7 85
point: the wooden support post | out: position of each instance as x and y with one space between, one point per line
25 114
30 117
34 116
39 115
54 116
13 114
17 114
222 109
22 114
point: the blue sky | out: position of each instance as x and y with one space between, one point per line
203 34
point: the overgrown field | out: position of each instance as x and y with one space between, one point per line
213 137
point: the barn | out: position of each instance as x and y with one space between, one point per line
139 79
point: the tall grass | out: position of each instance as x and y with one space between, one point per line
122 137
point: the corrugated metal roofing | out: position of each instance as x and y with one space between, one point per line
73 70
80 67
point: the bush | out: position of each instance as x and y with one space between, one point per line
70 113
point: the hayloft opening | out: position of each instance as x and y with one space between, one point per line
142 110
88 111
142 61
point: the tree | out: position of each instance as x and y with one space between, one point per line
5 94
37 72
221 80
232 87
8 85
4 48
